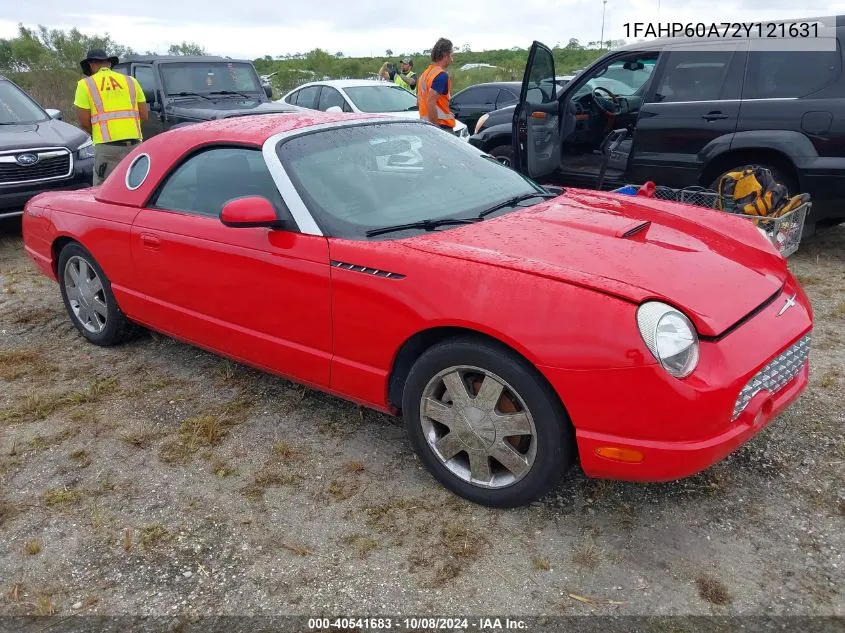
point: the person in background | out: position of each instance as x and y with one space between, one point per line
110 106
434 87
404 77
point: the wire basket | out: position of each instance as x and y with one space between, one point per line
784 231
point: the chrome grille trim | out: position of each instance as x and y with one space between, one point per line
7 158
369 271
776 374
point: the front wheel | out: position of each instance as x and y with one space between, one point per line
88 298
486 424
503 154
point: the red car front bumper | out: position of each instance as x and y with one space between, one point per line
667 461
641 424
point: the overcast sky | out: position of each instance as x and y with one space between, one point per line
254 28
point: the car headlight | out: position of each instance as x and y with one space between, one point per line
481 121
670 336
86 150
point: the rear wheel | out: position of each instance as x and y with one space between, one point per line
88 298
503 154
485 424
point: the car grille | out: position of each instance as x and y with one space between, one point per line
774 376
51 164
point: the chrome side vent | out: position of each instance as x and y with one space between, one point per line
367 271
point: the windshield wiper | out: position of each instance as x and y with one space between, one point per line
230 92
428 225
516 200
189 94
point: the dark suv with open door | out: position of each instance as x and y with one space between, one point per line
685 113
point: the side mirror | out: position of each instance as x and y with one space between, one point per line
250 211
334 109
54 114
150 96
268 90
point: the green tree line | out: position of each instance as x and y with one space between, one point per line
290 70
45 62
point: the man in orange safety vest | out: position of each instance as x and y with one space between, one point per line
434 87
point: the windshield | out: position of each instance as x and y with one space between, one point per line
208 77
381 98
17 108
618 79
369 176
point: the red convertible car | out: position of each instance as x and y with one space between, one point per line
516 328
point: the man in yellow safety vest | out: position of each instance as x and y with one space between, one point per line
405 77
110 106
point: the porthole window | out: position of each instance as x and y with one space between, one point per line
137 172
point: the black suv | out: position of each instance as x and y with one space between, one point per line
472 102
184 89
38 151
683 114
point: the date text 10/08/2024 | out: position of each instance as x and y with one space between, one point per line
718 30
413 624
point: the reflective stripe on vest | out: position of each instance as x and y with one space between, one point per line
404 84
441 108
101 118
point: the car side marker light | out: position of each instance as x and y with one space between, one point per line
628 455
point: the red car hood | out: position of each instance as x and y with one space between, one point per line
714 267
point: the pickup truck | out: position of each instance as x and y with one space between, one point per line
184 89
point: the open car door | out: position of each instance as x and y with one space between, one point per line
536 118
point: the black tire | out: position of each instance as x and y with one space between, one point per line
10 225
117 327
554 447
503 154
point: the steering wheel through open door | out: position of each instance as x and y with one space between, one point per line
608 104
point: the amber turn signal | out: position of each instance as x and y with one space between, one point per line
620 454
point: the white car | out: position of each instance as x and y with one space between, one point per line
360 95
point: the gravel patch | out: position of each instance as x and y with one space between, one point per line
157 479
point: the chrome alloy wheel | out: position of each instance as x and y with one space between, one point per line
478 427
85 294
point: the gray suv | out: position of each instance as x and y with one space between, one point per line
38 151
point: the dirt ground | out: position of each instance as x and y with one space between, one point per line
155 478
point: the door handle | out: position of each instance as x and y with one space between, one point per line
150 241
715 115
